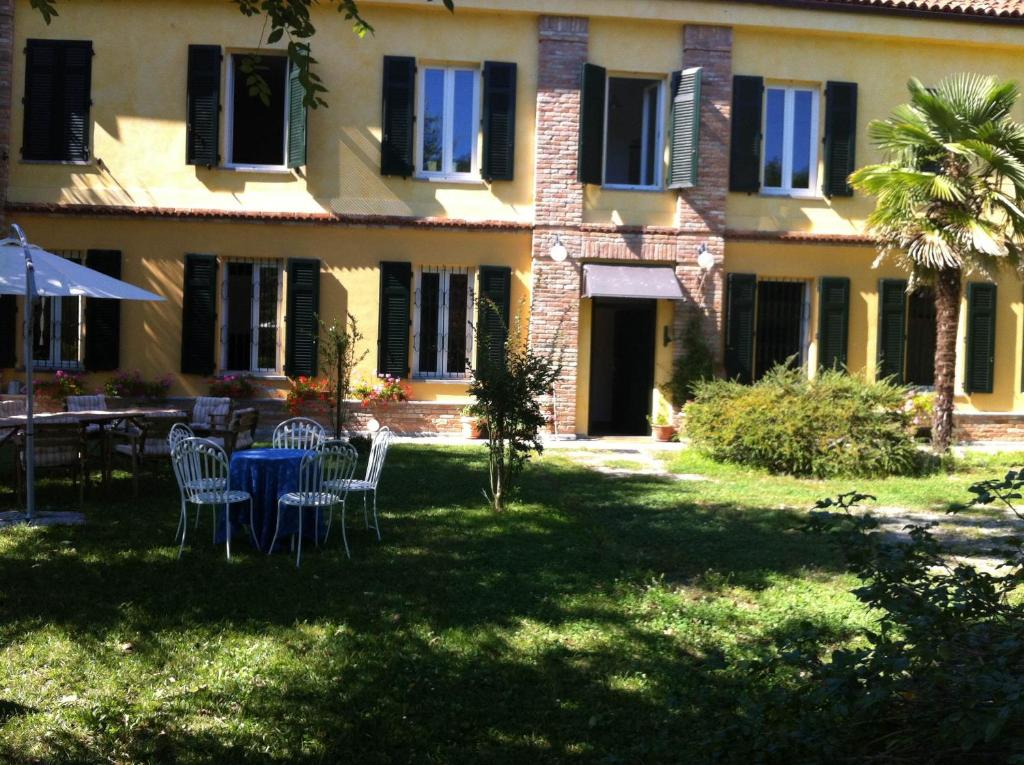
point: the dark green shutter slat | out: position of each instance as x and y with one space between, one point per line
981 337
840 137
499 121
58 99
103 317
892 319
833 322
202 127
745 148
741 297
685 126
399 111
296 119
301 350
494 312
8 331
393 331
591 151
199 315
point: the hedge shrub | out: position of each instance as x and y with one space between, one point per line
834 425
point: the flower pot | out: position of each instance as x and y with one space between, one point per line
663 432
471 427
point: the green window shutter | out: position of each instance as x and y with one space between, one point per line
202 126
393 331
892 320
494 312
499 121
398 118
297 114
103 317
301 349
745 146
8 331
591 151
199 315
840 137
685 140
740 297
58 98
833 322
981 337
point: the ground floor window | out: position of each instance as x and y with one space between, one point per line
57 327
442 322
250 330
920 369
781 330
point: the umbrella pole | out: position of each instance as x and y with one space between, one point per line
30 451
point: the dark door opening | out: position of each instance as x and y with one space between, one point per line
621 366
780 313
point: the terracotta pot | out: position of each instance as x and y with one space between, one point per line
471 427
663 432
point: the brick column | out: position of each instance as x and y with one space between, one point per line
6 66
700 211
554 309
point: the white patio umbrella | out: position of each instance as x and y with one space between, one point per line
31 271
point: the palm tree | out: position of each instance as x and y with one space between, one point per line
949 201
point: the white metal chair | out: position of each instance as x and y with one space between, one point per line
317 470
179 432
201 469
368 484
299 433
338 484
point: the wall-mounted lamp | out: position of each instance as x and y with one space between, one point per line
705 262
558 252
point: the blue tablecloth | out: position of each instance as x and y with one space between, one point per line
267 474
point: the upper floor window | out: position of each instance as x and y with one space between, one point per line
58 81
790 155
449 120
252 299
257 117
442 329
633 133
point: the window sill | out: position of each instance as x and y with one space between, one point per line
791 194
258 169
76 368
459 179
275 376
441 380
627 187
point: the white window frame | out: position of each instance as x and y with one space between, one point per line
446 173
229 115
254 315
658 183
443 328
787 189
55 329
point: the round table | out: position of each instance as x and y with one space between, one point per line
267 474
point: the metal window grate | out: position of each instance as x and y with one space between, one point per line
442 328
57 341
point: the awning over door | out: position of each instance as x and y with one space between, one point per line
651 282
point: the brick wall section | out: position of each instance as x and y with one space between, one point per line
988 427
6 73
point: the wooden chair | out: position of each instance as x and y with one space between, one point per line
138 447
240 432
209 413
59 445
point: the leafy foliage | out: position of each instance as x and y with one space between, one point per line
132 384
338 345
835 424
232 386
694 365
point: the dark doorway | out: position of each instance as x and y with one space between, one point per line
780 314
921 337
621 366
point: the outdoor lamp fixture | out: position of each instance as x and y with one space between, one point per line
558 252
705 262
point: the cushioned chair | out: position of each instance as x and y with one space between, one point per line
59 444
139 446
94 403
240 432
210 413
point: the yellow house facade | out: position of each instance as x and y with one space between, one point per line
608 170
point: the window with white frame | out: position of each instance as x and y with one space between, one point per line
790 156
442 322
57 327
448 125
250 329
257 118
634 146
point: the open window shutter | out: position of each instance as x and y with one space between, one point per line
685 141
493 318
892 318
981 337
396 147
741 296
591 152
499 122
199 315
745 148
840 137
393 332
296 119
8 331
103 317
58 83
302 340
77 99
202 133
833 322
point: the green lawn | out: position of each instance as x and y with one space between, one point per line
605 619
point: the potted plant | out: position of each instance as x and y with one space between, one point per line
232 386
309 397
662 428
473 425
132 386
50 395
387 390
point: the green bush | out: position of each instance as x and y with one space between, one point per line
834 425
694 364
